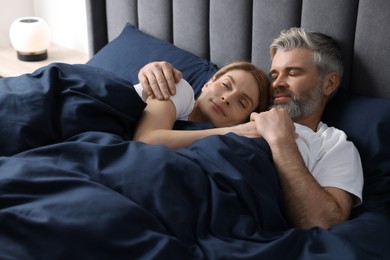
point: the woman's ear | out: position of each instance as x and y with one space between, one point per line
207 84
330 83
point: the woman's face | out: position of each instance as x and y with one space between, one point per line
230 99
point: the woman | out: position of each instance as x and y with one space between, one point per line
227 100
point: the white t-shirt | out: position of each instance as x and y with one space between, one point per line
183 100
331 158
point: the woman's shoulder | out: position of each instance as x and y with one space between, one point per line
183 100
184 88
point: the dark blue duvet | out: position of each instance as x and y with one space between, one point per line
74 186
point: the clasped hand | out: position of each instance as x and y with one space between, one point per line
274 125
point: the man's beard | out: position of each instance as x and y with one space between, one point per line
301 106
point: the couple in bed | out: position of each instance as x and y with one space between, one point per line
319 170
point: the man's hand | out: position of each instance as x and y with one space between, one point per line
159 79
274 125
302 193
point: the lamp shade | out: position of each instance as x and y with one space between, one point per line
30 37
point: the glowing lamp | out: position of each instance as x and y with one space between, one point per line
30 37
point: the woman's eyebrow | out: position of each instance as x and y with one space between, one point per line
231 79
245 95
251 101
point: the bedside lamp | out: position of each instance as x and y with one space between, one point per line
30 37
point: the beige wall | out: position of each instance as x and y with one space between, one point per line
9 11
66 18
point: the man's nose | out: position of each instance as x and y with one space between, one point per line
280 81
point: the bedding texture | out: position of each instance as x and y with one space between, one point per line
53 103
79 188
73 184
366 121
125 62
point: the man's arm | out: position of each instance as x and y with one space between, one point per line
159 79
307 203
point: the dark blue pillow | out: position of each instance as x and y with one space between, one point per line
132 49
366 121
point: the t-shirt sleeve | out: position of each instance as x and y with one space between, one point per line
183 100
140 91
341 167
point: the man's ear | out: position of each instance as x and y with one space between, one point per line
330 83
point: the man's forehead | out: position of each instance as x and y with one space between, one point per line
298 57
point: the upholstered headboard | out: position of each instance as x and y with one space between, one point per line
227 30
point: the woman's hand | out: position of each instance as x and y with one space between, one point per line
247 129
159 79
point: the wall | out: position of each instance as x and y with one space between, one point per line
66 18
68 21
9 11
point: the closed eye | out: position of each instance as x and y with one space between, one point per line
294 73
243 103
274 77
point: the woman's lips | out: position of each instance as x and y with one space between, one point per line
218 108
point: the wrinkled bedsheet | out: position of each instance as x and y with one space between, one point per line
74 186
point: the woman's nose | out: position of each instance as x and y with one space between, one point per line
225 100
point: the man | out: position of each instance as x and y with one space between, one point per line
320 171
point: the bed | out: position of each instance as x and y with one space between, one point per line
74 186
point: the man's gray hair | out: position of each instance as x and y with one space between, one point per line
327 54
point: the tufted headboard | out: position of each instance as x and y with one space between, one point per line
223 31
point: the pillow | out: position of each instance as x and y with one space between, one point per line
366 121
132 49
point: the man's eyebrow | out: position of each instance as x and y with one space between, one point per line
272 71
295 68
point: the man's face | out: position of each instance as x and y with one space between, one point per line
296 83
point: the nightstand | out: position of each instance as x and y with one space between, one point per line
10 65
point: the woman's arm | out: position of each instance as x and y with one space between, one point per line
155 126
156 123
